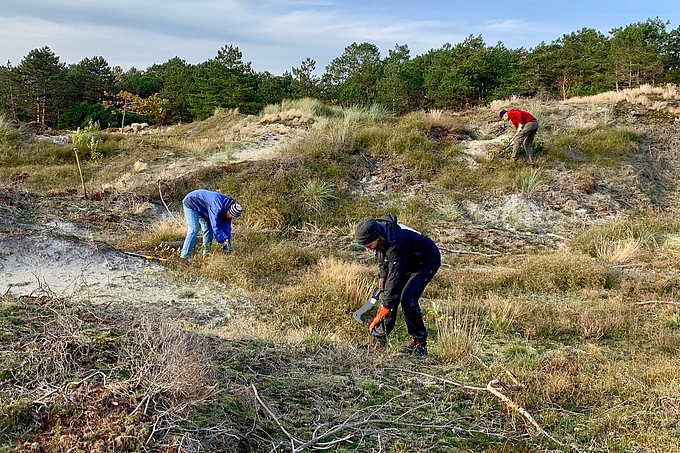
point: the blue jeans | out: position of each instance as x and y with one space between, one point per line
194 223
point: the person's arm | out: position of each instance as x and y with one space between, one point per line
220 224
395 277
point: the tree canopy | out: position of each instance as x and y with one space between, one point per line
42 88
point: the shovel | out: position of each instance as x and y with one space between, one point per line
367 306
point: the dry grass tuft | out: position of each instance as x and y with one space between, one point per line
503 312
597 323
646 96
619 252
168 364
140 167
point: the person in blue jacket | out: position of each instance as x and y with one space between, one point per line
212 212
408 260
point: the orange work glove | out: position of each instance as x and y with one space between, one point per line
382 312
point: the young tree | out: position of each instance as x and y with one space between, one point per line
274 89
226 82
176 79
136 82
396 84
125 102
306 83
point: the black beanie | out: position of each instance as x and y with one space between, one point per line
367 230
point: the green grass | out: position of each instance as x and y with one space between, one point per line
604 145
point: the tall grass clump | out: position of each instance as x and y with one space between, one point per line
259 262
356 116
325 296
561 271
317 195
459 330
10 135
643 234
312 106
529 180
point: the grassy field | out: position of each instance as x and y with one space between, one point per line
554 324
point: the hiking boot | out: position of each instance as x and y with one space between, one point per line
417 346
375 344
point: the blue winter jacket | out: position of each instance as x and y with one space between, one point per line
212 206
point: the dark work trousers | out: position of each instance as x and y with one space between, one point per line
409 304
526 137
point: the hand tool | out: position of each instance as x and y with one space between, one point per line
367 306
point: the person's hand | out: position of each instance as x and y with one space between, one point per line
227 246
381 283
519 128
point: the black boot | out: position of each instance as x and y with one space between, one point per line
417 346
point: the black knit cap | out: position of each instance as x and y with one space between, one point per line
501 113
366 231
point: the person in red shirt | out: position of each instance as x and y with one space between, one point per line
526 126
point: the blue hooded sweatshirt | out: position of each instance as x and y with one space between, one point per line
212 206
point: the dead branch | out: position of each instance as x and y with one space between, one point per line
651 302
510 404
273 416
467 252
307 231
66 386
160 193
80 172
492 387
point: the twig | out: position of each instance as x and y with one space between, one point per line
166 206
141 403
269 412
650 302
82 180
491 388
317 233
64 387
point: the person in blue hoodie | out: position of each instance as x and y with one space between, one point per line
408 260
212 212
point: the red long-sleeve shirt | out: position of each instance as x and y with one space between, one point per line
518 117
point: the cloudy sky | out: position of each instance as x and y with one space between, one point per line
276 35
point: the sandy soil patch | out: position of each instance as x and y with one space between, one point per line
66 267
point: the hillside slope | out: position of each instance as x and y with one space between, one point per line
553 321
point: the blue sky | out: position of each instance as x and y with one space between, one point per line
276 35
